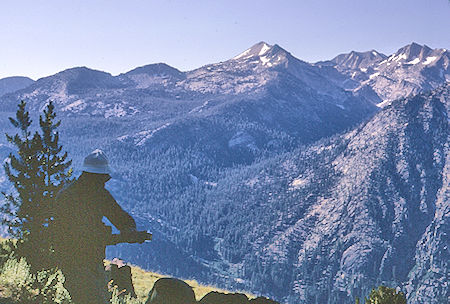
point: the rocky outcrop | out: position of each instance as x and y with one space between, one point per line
170 290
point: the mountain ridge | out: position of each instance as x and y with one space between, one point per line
413 68
363 73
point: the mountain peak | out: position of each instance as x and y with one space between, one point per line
411 51
415 47
80 79
82 71
258 49
268 55
358 59
156 69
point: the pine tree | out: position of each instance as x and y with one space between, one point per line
37 172
54 163
22 170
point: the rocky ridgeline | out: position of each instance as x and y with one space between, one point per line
174 291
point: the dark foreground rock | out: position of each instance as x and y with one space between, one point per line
262 300
170 290
175 291
215 297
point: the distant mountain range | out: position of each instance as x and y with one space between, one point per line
310 183
372 75
382 78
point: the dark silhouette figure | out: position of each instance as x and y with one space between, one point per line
79 235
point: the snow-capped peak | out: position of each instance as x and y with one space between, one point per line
267 55
265 47
259 49
411 54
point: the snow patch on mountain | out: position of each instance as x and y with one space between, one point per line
298 183
76 106
116 111
374 75
415 61
430 60
398 57
264 49
140 138
265 60
243 54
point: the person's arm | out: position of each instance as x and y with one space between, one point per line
115 214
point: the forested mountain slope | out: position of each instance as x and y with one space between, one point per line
364 208
333 219
256 173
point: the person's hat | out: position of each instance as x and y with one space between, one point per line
96 162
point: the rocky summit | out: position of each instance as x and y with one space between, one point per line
303 182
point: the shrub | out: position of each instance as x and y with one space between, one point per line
19 284
118 298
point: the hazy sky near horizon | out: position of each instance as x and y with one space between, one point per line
42 37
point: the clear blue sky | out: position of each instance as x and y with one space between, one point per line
42 37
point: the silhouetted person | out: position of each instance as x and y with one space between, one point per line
80 236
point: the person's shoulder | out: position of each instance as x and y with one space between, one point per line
66 190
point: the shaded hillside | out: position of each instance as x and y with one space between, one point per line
12 84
